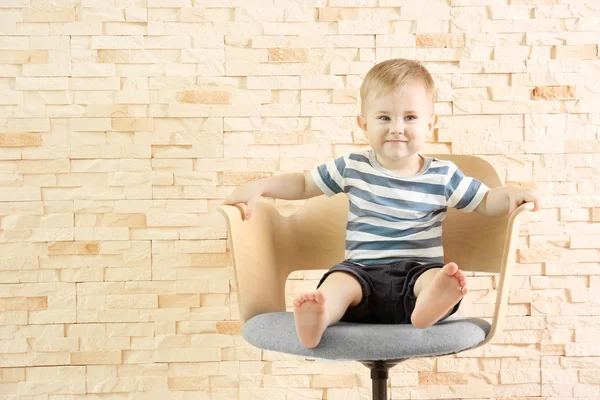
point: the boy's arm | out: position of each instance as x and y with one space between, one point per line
504 200
293 186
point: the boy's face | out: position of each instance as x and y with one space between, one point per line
397 124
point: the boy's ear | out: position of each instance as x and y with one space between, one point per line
362 122
433 121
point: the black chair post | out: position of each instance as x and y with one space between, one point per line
379 376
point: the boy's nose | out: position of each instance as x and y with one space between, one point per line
397 127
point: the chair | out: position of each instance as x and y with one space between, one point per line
268 247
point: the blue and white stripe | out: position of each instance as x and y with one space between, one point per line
393 218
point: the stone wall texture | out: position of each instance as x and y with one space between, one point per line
124 124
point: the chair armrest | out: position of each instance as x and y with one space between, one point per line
508 262
260 284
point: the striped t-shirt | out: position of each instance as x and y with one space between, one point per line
393 218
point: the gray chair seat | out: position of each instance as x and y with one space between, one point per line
351 341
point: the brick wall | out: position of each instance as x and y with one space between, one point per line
124 123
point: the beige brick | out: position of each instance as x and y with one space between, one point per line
333 14
517 376
240 178
204 97
554 92
28 125
20 140
108 110
196 327
136 14
210 260
96 357
132 124
92 234
194 178
117 42
12 375
591 376
23 303
187 383
187 206
520 398
173 341
350 96
131 301
76 28
552 349
441 40
27 83
446 364
48 15
94 83
579 52
60 248
173 219
114 56
125 28
288 55
442 378
187 355
178 300
298 381
54 344
24 56
582 146
43 166
122 220
85 330
104 343
231 328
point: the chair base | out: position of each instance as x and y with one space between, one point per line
379 376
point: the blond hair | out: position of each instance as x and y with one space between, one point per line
391 74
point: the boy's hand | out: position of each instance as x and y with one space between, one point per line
246 197
521 195
504 200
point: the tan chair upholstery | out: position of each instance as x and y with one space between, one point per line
268 247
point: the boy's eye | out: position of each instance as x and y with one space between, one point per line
384 118
410 118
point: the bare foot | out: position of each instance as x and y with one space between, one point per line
311 318
437 299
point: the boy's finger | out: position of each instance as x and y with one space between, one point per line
244 208
250 208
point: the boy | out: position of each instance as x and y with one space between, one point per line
394 270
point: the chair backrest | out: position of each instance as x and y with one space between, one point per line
268 247
314 236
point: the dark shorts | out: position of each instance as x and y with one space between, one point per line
388 296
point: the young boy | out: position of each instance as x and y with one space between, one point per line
394 270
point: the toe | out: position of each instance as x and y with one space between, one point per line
320 297
450 269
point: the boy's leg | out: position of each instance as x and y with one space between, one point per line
317 310
437 291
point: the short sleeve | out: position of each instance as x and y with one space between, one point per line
463 192
329 177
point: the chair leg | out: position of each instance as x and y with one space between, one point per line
379 376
